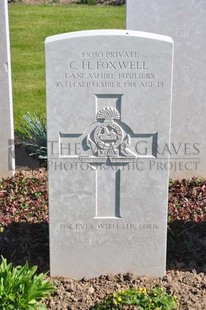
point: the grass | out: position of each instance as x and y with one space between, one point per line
29 26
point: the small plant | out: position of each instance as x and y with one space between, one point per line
24 198
34 135
21 288
187 200
89 2
140 299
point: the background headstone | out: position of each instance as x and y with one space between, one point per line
185 22
6 110
108 107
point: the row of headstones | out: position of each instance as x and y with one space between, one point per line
184 21
109 122
6 110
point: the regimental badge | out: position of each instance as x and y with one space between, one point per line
108 136
108 139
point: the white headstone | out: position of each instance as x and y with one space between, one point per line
108 106
6 110
185 22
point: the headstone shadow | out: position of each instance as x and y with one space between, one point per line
186 246
21 242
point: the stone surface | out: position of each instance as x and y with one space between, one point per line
185 22
108 106
6 110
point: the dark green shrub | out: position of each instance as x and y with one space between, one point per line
89 2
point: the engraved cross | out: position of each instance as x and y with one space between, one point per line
107 146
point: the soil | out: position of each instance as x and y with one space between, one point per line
189 287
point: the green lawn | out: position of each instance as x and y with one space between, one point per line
29 26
